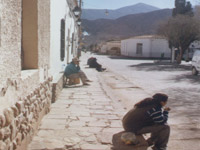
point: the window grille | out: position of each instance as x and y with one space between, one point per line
62 40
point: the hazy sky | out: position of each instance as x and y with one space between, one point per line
114 4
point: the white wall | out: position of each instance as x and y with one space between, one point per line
103 48
129 47
160 46
151 47
60 10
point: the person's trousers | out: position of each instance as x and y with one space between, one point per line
80 75
159 134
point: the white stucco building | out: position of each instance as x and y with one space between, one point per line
37 39
61 13
111 47
145 47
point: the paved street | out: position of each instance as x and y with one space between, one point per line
87 117
83 118
145 78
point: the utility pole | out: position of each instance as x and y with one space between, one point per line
79 31
80 3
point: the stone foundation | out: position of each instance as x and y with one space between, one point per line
57 87
19 122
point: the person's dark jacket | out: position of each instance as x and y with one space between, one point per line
137 118
71 69
92 62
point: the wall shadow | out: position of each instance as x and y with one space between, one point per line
162 66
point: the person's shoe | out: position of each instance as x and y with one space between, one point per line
159 148
155 148
88 80
150 142
86 84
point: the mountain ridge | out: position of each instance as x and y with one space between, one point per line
124 27
94 14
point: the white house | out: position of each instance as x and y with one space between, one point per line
111 47
63 35
38 37
151 46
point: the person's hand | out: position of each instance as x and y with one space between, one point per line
167 109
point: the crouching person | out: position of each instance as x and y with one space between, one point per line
92 62
73 71
150 116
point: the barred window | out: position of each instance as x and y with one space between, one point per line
62 40
72 47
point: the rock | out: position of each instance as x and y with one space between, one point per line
9 115
30 117
3 145
20 106
6 132
2 120
19 138
129 138
23 128
11 146
13 130
15 111
1 134
118 144
23 136
14 145
21 118
7 142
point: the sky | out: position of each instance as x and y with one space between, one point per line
114 4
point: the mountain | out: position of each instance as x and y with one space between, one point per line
124 27
93 14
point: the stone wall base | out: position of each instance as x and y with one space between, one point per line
57 86
20 122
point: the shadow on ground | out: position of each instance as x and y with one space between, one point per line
183 77
185 105
133 58
161 66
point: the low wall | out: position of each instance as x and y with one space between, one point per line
57 86
19 122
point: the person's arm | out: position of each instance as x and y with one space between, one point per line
158 116
78 67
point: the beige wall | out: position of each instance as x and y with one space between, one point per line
113 44
30 34
44 32
24 97
10 39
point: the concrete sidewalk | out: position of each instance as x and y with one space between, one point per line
83 118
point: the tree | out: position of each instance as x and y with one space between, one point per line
197 12
180 32
182 8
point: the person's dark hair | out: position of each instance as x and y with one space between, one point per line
155 100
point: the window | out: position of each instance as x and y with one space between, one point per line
68 45
62 40
72 47
139 48
29 49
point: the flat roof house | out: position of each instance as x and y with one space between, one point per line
151 46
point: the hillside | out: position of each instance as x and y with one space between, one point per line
124 27
93 14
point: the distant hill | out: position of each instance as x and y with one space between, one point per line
124 27
93 14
